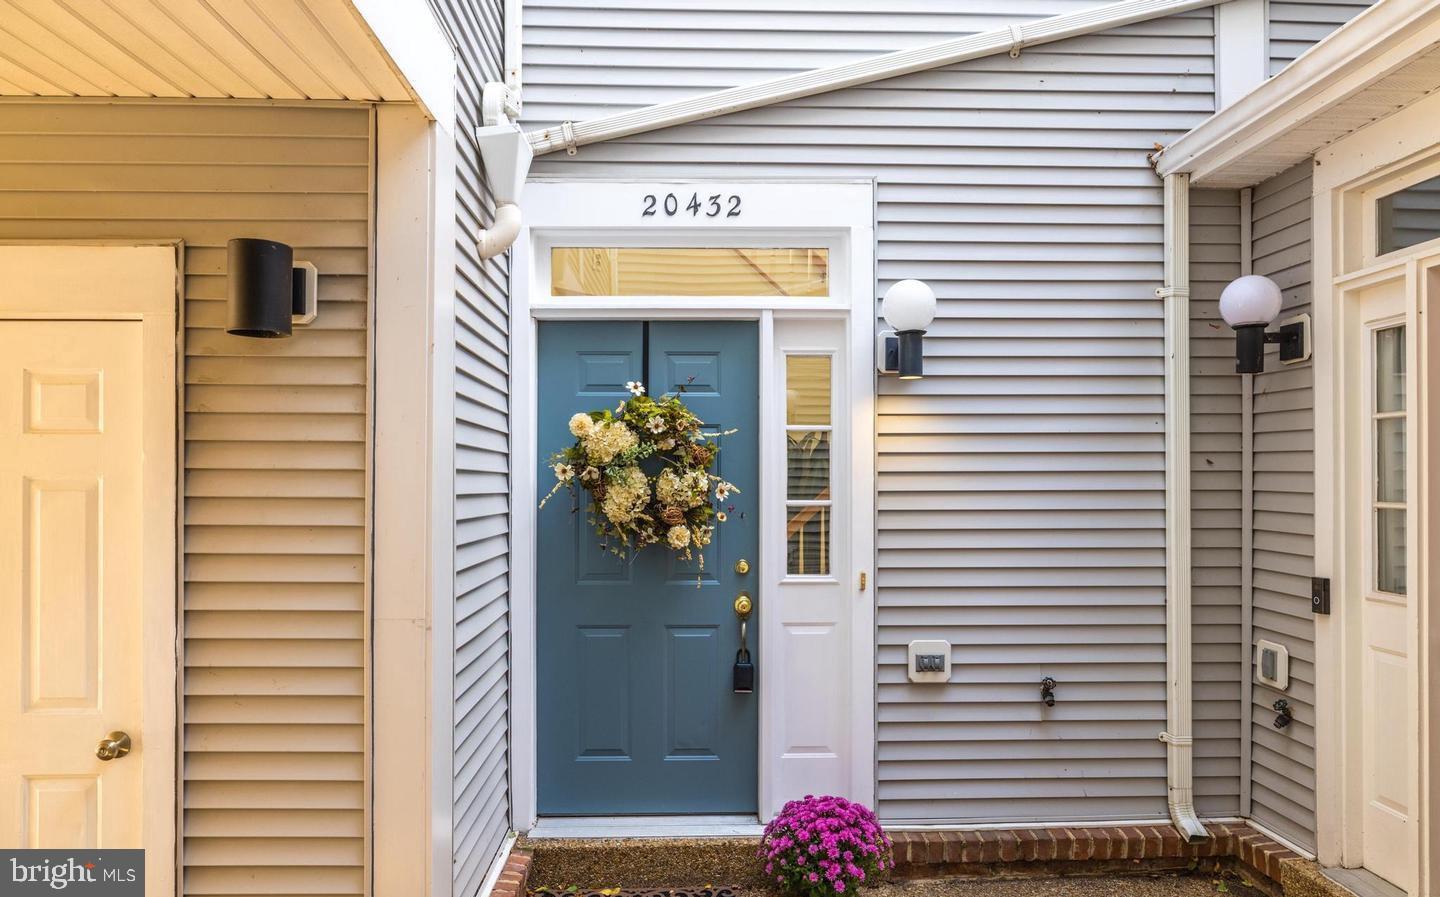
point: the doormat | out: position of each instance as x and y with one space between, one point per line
709 891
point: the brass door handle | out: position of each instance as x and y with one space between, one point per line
743 606
113 746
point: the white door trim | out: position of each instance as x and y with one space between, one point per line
1347 177
135 293
773 213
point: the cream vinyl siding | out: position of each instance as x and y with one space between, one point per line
482 429
1283 766
1021 483
1215 423
1297 25
275 459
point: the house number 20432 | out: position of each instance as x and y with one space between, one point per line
712 206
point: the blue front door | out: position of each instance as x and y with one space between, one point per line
637 713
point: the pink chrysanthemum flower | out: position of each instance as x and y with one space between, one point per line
843 839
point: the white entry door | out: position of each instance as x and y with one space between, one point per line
70 581
1389 709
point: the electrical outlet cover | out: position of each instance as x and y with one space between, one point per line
1272 664
927 648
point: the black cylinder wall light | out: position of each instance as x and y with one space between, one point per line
260 276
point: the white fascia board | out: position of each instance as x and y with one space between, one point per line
864 71
419 51
1374 43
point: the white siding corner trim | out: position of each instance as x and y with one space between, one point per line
414 499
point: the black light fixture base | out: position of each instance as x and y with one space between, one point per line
1250 342
1291 339
912 354
890 361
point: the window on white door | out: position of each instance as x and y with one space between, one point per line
1388 438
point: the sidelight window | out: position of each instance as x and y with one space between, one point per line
1388 434
808 444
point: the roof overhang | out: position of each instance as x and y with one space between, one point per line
362 50
863 71
1380 62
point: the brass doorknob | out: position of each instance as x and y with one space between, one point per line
743 605
742 566
113 746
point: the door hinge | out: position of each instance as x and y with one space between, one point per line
862 580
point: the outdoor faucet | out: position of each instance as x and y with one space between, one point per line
1283 716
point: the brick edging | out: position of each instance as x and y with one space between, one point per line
514 875
928 853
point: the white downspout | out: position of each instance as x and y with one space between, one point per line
1175 294
503 146
500 236
1247 530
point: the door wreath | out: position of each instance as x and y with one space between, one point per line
678 505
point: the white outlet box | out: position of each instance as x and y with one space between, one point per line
920 651
1272 664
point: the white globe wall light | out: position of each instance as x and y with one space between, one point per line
908 307
1249 304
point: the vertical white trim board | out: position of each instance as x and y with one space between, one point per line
412 626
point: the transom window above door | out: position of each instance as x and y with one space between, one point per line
1408 217
689 271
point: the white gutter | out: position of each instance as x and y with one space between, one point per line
570 135
1179 728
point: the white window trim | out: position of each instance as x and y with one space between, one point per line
775 213
1347 176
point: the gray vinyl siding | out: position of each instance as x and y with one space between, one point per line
1218 661
482 482
584 59
274 498
1021 483
1283 765
1297 25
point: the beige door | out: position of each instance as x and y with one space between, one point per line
1389 721
71 531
